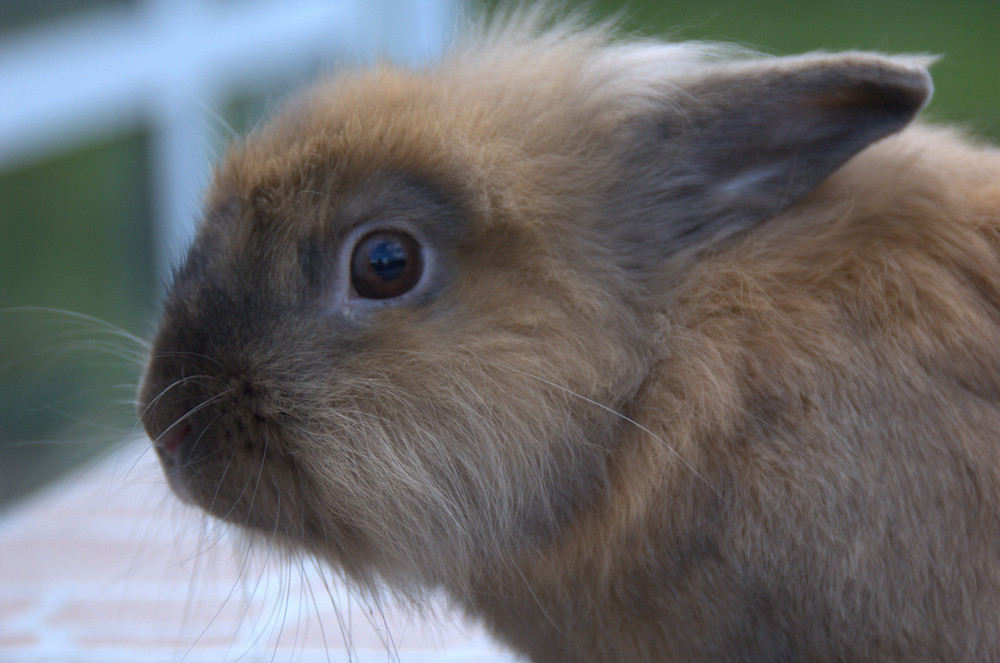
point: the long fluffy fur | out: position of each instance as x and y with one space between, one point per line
768 437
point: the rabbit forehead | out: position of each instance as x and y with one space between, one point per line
345 161
501 110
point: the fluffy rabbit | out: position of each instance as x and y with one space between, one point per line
640 351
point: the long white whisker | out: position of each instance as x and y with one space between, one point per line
197 408
333 603
95 323
384 633
163 392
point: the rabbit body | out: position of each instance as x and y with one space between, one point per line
701 361
829 486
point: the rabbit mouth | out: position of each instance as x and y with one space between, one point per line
226 450
220 446
213 460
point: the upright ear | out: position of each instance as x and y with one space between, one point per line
741 143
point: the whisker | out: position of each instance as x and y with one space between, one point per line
180 353
239 498
272 540
221 480
87 422
95 323
345 626
244 567
218 611
197 408
333 603
58 346
384 633
165 390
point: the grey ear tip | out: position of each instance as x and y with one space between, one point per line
902 81
912 76
920 86
899 85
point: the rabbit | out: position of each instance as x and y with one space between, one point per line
638 351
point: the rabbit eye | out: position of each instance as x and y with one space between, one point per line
386 264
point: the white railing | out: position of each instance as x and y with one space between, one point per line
169 64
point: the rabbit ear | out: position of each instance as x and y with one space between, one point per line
741 144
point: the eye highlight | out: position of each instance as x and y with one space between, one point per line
386 264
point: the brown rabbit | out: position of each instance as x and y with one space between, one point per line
642 352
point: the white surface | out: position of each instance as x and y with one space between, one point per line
108 566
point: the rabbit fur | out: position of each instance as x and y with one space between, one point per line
702 364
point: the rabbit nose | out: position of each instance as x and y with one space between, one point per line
174 445
171 441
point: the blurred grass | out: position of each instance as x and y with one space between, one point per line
74 237
18 14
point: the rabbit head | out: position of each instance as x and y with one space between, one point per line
420 303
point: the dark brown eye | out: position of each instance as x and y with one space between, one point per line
386 264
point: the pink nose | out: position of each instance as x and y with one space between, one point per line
171 439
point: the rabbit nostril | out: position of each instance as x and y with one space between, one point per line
171 439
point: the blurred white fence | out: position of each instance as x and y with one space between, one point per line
169 64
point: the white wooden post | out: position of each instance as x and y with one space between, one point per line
169 64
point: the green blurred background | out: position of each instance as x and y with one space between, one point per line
76 230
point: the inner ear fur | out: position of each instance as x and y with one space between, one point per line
743 141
